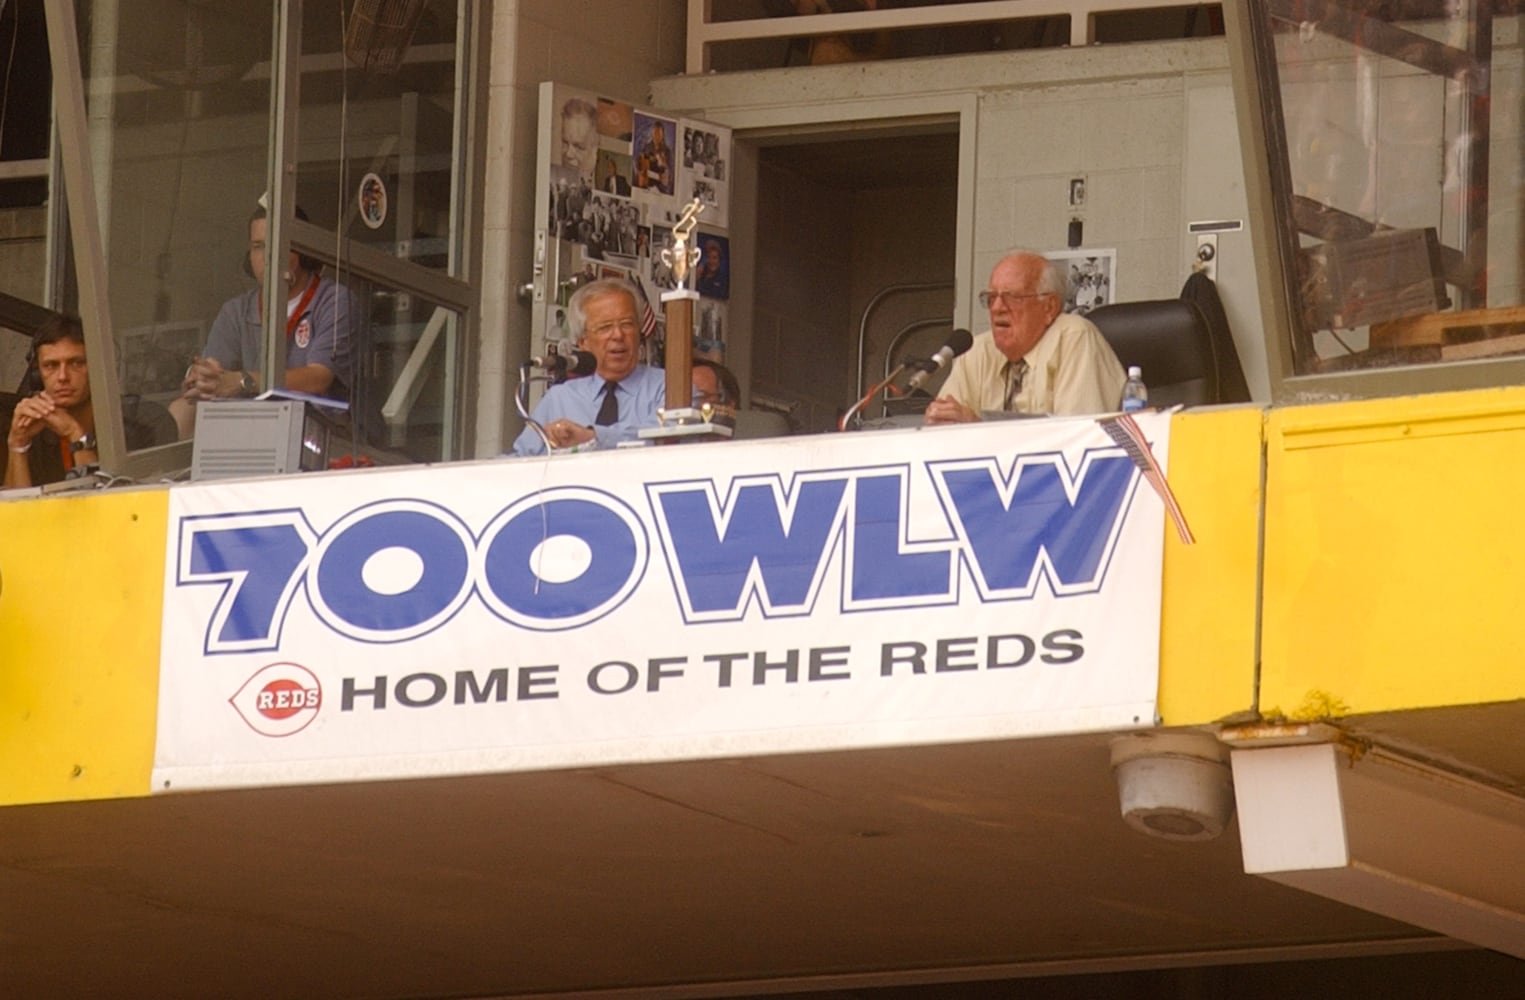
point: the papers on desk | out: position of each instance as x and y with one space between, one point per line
325 402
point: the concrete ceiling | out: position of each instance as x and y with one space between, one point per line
730 877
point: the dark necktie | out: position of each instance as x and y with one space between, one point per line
609 410
1015 376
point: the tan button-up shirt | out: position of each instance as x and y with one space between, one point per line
1071 371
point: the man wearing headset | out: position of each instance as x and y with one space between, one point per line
320 319
51 431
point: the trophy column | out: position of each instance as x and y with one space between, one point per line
679 419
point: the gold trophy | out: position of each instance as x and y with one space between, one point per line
679 419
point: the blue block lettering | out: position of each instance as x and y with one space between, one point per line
257 558
1046 519
881 571
610 539
719 567
343 591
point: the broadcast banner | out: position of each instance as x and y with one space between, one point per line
688 601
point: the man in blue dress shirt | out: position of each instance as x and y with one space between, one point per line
604 320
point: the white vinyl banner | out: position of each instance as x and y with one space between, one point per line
687 601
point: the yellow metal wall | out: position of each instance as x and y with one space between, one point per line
1395 544
81 593
1207 632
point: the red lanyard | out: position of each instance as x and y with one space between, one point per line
295 319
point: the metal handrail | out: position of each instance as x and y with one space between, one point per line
900 335
873 304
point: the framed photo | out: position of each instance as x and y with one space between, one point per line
712 276
1092 278
655 161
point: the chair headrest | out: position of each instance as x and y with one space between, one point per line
1167 338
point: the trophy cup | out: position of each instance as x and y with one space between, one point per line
679 419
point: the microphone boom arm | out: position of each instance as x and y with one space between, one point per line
872 392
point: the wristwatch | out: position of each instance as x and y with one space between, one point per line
246 385
85 442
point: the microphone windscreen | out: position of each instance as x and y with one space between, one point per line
959 341
580 363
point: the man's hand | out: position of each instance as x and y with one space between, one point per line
32 415
947 410
206 378
566 434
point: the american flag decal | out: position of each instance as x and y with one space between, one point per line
1124 431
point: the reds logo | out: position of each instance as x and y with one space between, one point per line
281 699
304 332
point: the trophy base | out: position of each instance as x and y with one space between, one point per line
687 424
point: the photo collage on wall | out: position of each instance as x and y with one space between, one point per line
620 177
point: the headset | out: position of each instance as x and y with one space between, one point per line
49 332
309 264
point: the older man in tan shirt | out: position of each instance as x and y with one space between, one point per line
1034 359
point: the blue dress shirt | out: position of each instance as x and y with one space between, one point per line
638 394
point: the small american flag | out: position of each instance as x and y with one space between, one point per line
1125 432
648 315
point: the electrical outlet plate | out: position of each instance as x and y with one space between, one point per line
1207 254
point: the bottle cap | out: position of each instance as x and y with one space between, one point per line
1134 371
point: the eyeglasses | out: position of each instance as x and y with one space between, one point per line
1011 299
624 326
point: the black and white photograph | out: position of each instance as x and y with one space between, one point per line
570 198
1091 274
609 227
575 136
706 162
661 274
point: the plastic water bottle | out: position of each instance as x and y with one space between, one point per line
1135 395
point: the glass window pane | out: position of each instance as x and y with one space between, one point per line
178 101
406 352
1402 140
378 125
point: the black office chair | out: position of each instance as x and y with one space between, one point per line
1169 340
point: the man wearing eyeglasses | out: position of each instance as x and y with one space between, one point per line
1035 358
620 397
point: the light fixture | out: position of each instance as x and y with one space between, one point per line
1175 785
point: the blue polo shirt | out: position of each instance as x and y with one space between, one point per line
638 395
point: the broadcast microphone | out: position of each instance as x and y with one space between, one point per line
566 362
580 363
957 343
